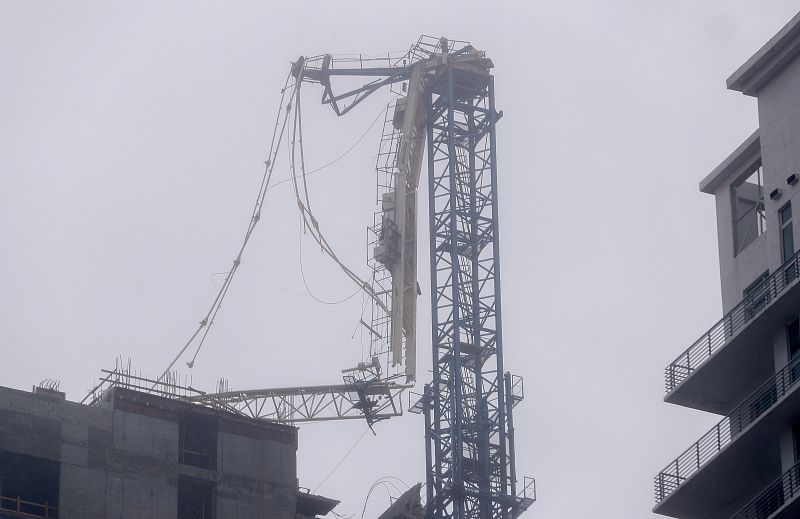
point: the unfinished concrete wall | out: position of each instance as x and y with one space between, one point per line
257 473
122 459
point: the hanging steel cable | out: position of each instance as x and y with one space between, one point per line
310 222
279 132
281 121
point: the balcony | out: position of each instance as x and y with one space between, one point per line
777 501
729 360
735 456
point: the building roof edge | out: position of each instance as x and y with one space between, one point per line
773 56
741 157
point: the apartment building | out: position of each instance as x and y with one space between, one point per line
746 367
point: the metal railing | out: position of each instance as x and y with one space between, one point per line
527 496
734 321
772 498
751 409
23 508
528 489
517 389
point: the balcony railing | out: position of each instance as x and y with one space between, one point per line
22 508
719 334
750 410
773 497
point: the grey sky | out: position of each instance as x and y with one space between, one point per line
131 142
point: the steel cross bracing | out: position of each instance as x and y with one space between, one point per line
355 399
468 405
374 401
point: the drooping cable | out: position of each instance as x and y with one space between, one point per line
380 482
308 288
281 121
298 117
337 159
339 463
312 172
303 203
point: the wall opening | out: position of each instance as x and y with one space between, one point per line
198 441
195 498
749 212
29 485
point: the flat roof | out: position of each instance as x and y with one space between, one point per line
172 409
747 154
770 59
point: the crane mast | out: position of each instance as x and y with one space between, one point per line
468 405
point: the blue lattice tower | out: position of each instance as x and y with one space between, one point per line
468 408
468 405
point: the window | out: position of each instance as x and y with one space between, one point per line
793 337
756 296
749 219
195 498
28 485
787 236
198 442
796 436
787 243
793 345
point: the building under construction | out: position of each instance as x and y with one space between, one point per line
141 454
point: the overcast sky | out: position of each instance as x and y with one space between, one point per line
132 136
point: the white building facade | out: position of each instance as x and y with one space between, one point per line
746 367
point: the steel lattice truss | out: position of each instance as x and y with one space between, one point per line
355 399
316 403
468 405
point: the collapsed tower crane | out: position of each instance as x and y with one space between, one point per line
468 405
446 113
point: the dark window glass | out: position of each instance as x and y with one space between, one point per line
756 296
793 337
787 234
786 214
796 435
787 242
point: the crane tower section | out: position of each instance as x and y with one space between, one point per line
449 111
469 403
